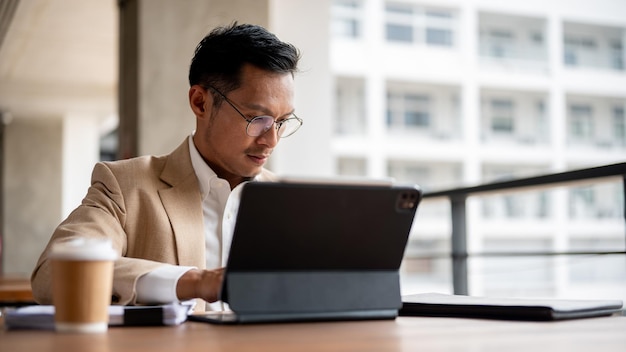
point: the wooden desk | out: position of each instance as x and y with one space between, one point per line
403 334
15 290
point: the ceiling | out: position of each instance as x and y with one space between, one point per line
58 57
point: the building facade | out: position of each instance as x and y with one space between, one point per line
452 93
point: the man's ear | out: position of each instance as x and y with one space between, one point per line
199 100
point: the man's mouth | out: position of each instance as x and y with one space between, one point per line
258 158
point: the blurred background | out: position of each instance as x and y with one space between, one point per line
443 93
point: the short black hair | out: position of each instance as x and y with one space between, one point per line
219 57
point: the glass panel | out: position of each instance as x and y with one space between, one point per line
437 36
351 167
514 276
527 205
399 33
438 14
511 276
398 23
347 18
418 275
581 122
408 172
393 105
502 116
417 111
619 125
348 28
542 126
417 118
584 50
591 269
408 110
600 201
350 116
500 43
617 55
399 9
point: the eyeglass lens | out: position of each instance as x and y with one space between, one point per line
261 124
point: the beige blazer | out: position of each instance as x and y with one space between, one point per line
150 207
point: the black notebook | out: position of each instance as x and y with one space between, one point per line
443 305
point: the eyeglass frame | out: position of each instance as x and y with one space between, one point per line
278 124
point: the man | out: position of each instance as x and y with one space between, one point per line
171 217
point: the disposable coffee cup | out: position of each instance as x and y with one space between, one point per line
82 280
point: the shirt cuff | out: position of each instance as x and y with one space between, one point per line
159 285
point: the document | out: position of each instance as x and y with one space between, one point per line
42 316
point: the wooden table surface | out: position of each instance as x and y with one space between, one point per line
604 334
15 289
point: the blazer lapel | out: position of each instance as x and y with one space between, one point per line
183 204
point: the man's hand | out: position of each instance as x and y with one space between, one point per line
196 283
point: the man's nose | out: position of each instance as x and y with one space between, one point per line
270 137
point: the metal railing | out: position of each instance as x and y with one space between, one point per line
458 197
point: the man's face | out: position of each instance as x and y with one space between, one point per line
221 135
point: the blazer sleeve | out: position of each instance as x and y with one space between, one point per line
102 213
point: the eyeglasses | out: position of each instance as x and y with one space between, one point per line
260 124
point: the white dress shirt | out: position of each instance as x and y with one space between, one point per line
219 210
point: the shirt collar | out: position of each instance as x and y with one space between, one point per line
203 172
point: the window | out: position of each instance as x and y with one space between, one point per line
417 111
408 110
439 27
617 55
408 172
579 51
413 24
499 43
350 116
581 122
536 38
502 119
600 201
581 202
512 42
619 125
109 145
437 36
593 46
527 205
351 167
399 33
542 127
347 18
439 14
399 23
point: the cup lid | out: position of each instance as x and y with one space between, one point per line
83 248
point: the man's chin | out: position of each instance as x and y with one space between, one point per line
253 173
